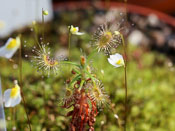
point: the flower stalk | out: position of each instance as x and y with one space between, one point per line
125 80
43 23
2 114
69 40
20 78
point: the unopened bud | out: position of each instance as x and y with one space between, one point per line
45 12
88 69
15 82
83 60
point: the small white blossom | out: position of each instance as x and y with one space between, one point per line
116 60
10 47
74 30
12 97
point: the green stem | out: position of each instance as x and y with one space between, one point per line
125 77
91 54
21 85
43 24
69 40
81 84
36 35
70 63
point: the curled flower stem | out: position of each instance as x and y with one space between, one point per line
20 78
125 77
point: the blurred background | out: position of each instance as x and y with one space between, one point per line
149 29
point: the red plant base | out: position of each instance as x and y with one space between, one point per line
84 111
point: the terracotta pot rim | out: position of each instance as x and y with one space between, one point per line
130 8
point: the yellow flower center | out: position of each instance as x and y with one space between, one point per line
105 39
49 61
12 44
74 30
14 91
120 62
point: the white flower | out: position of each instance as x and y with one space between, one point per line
74 30
12 97
116 60
10 47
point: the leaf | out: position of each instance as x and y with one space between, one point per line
70 63
75 79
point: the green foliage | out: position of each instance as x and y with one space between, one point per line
150 94
151 91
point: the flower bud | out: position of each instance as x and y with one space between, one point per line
88 69
82 60
15 82
45 12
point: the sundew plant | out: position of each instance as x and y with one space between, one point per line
87 66
85 94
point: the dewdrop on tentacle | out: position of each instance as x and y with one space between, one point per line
104 39
43 62
98 94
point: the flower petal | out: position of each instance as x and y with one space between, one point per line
16 101
77 28
9 101
79 33
111 61
116 60
116 57
7 52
